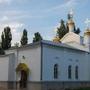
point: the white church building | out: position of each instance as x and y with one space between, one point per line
48 65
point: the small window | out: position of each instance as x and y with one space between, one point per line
76 72
69 72
55 71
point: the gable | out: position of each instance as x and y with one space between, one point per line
71 37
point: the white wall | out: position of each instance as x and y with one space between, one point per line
32 59
50 56
64 57
5 72
4 63
88 57
15 51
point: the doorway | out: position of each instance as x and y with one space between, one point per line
23 72
23 79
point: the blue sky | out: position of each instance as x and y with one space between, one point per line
41 16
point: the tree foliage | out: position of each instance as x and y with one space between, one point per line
6 38
37 37
3 41
62 30
2 52
24 38
77 31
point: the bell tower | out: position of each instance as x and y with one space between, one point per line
70 22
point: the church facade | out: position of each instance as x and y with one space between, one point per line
48 65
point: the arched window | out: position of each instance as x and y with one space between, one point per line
69 72
55 71
76 72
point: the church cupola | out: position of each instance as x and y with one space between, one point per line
87 37
87 33
70 22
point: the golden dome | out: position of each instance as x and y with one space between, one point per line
56 39
87 32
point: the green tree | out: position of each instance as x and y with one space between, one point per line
77 31
2 51
6 38
3 41
24 38
37 37
62 30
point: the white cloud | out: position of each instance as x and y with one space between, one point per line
16 36
13 15
13 25
4 18
5 1
15 29
16 1
68 4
